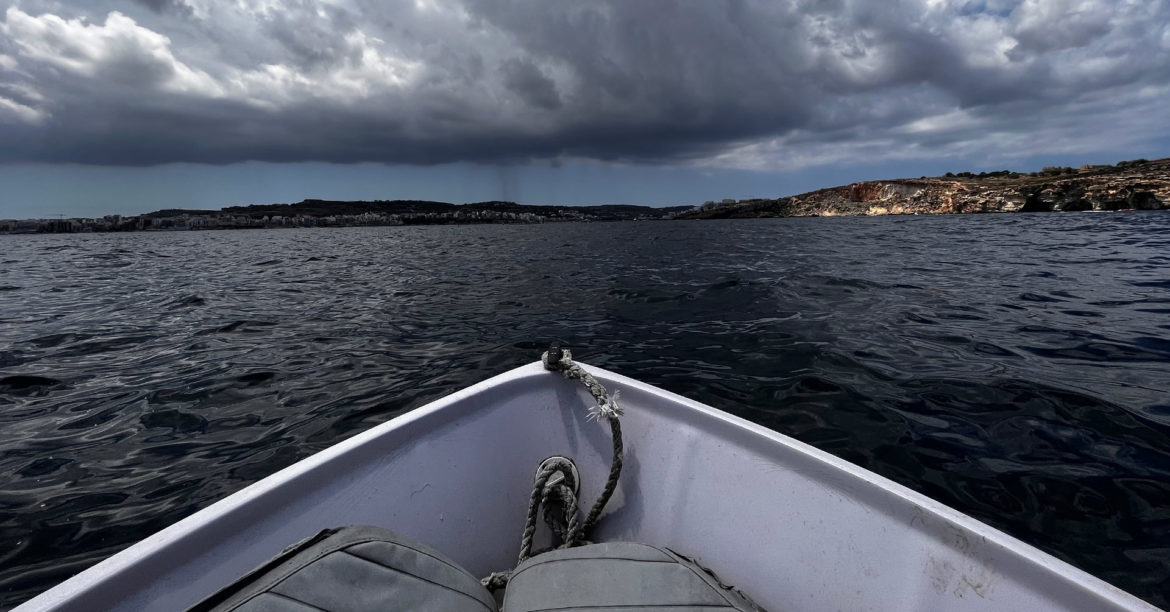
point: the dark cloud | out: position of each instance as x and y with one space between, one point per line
528 82
179 7
732 83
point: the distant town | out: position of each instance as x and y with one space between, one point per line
327 213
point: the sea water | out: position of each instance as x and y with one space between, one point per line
1015 367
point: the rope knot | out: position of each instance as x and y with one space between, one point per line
496 581
560 359
557 358
557 480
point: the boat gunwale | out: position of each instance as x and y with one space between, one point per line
259 492
873 485
846 478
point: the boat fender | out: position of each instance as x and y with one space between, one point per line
619 576
354 569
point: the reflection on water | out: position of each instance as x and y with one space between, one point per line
1014 367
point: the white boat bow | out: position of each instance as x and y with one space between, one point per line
792 526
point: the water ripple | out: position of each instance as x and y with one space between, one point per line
1014 367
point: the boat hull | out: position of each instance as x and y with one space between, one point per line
792 526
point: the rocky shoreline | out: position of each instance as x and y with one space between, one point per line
1133 185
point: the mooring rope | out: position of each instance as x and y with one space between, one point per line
549 484
550 480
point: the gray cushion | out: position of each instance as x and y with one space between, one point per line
616 577
354 569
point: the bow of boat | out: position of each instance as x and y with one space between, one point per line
794 527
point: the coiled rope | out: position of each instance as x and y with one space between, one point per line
553 488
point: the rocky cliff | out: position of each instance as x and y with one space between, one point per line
1139 185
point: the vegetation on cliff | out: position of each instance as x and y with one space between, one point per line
1137 185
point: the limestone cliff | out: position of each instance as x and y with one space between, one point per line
1139 185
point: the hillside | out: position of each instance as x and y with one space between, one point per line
1138 184
419 211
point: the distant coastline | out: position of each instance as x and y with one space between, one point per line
1130 185
329 213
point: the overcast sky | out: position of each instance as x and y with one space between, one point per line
137 105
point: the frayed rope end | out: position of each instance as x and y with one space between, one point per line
608 409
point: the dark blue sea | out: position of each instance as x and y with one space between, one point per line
1015 367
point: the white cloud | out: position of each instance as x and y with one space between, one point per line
983 41
1052 25
11 109
119 50
122 50
955 119
367 71
1086 127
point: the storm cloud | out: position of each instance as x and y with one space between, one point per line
735 84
